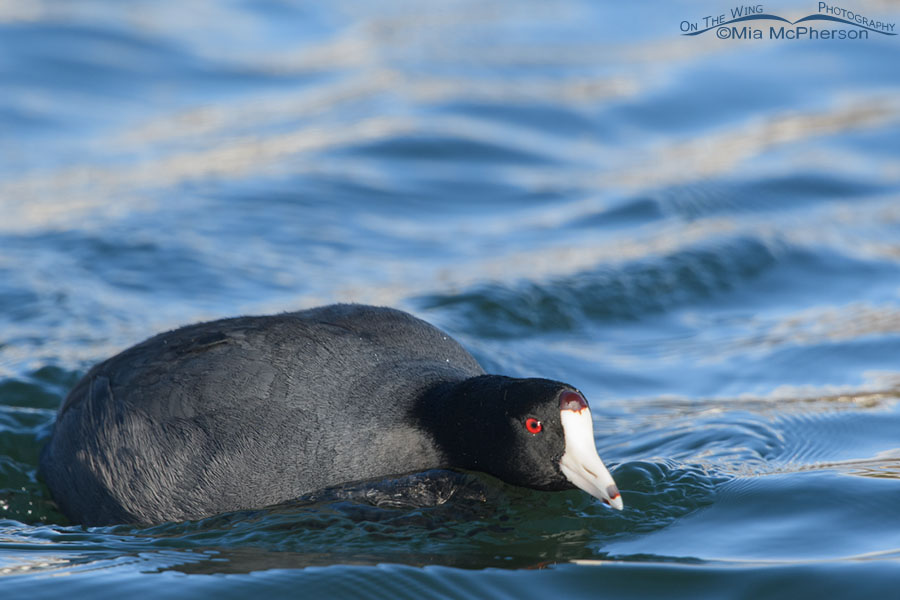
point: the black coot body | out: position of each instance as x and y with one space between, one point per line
253 411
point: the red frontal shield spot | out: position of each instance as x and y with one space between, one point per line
572 401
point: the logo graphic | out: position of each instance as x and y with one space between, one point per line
839 24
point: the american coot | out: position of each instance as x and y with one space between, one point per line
252 411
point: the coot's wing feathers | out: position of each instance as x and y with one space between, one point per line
163 431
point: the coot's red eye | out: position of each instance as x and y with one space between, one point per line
533 425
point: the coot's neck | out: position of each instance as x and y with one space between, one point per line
457 415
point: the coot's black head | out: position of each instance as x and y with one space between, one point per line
534 433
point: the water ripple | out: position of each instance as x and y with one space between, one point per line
609 294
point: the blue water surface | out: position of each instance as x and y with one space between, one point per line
702 234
